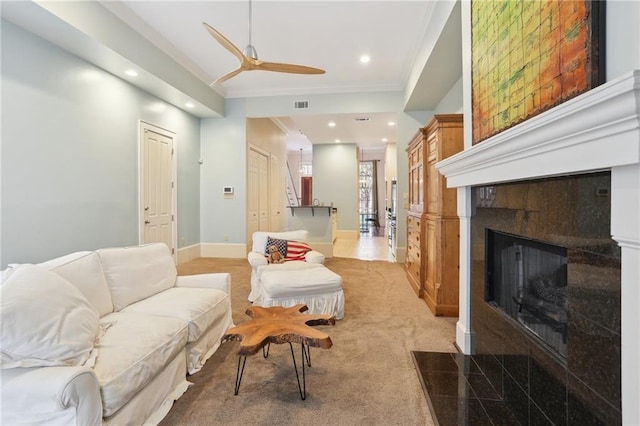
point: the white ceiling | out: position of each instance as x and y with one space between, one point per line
326 34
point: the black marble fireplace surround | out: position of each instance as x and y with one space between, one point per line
582 387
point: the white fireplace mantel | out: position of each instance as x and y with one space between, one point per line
597 130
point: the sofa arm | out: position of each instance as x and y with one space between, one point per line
216 281
50 395
314 257
256 259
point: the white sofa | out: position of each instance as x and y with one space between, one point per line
105 337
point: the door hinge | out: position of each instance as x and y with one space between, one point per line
173 251
172 219
171 185
171 151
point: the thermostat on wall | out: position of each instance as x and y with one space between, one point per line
227 189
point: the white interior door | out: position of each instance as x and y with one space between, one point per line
263 198
277 186
253 188
257 192
157 186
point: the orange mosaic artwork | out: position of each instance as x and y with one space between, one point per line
528 56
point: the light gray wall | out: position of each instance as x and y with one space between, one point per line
451 103
335 179
408 125
622 25
69 175
224 155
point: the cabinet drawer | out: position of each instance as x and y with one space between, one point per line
413 223
413 268
413 235
413 252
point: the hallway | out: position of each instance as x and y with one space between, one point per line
372 245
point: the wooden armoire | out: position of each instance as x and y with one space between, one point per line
433 232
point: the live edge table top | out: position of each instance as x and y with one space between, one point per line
276 324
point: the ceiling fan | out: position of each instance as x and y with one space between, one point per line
249 57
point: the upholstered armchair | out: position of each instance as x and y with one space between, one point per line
297 256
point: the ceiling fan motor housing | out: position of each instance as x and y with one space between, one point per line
250 52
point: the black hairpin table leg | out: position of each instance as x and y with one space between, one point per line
242 359
303 388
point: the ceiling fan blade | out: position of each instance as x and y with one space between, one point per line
288 68
227 76
224 41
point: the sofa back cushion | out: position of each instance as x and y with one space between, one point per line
84 270
260 238
46 321
135 273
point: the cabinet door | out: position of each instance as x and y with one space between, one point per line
432 262
416 180
449 250
434 202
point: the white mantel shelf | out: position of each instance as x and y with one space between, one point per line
596 130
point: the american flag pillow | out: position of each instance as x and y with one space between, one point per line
296 250
290 250
281 244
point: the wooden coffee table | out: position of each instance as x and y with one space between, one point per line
279 325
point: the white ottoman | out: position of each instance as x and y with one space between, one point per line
314 285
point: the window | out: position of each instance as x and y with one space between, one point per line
306 170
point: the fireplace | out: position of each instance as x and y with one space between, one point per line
597 131
526 280
546 285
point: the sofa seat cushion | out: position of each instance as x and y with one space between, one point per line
200 308
133 350
315 279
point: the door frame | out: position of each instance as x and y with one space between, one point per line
142 126
252 147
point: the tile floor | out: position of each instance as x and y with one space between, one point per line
459 393
372 245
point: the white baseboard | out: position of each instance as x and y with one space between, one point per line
465 339
401 254
188 253
224 250
324 248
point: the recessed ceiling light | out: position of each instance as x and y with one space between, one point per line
391 123
332 124
131 73
337 140
189 105
365 59
384 139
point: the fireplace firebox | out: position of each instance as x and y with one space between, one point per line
526 280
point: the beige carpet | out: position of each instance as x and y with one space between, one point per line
366 378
